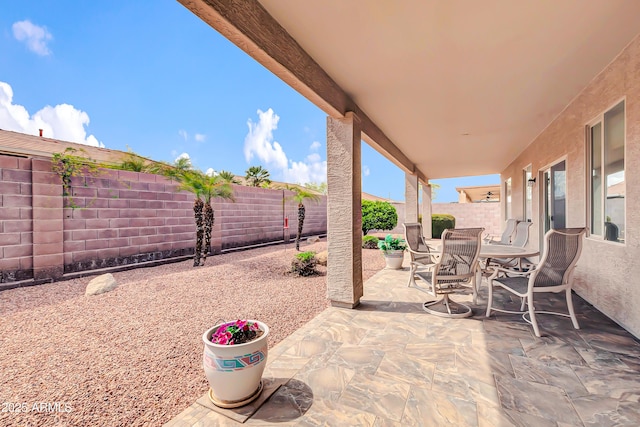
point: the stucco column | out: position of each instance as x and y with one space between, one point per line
410 197
344 211
426 210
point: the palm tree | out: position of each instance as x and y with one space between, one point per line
205 188
299 196
228 177
136 163
257 176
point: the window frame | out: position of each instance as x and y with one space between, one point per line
600 119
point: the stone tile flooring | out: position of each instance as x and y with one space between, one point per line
388 363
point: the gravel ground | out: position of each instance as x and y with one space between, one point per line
133 356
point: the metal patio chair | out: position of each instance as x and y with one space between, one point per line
520 239
419 250
454 270
554 273
505 238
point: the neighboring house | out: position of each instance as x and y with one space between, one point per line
453 89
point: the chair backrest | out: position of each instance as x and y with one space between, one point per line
418 249
521 237
509 228
460 250
562 249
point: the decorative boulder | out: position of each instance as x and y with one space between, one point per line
321 257
101 284
313 239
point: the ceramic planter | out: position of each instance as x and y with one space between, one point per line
235 371
394 259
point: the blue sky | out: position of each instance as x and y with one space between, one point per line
157 80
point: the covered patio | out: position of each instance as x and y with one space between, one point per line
387 362
450 89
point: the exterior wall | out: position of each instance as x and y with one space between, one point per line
118 218
257 217
485 215
123 217
16 230
607 272
471 215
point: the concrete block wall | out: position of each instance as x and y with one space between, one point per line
468 215
16 230
122 217
257 216
116 218
471 215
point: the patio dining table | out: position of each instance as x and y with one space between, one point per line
488 251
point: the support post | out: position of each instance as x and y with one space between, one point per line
411 198
426 210
344 211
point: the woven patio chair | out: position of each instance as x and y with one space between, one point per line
554 273
453 271
505 238
520 239
419 250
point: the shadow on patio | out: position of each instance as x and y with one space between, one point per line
390 363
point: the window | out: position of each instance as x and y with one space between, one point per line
606 171
507 193
528 194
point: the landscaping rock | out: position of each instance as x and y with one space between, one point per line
322 257
313 239
101 284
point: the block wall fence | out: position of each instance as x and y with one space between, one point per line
120 218
468 215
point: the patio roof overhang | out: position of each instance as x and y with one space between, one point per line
443 88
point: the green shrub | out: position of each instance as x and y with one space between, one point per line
370 242
440 222
378 216
304 264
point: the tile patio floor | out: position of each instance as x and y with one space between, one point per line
388 363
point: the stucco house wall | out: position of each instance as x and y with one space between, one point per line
607 273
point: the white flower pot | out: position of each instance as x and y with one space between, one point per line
394 259
235 371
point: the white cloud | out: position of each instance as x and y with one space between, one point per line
183 133
63 121
211 172
365 170
183 156
259 141
34 36
200 137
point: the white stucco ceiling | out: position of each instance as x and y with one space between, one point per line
474 81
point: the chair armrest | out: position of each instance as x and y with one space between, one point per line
512 273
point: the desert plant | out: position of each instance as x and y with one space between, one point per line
304 264
70 163
318 188
228 177
440 222
391 243
205 188
257 176
299 196
370 242
136 163
378 216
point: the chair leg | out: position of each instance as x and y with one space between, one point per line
412 271
489 298
532 316
572 313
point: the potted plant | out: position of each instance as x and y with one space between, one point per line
235 355
393 249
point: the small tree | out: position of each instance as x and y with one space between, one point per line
299 196
378 216
228 177
257 176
